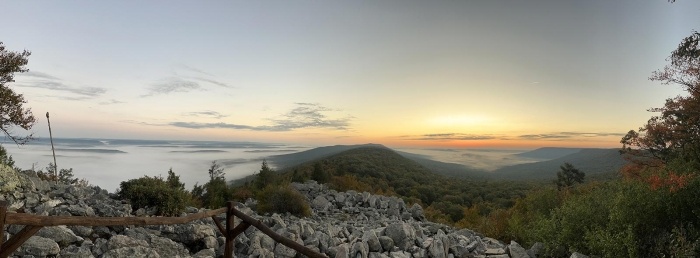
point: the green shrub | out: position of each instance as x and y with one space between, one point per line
154 192
281 199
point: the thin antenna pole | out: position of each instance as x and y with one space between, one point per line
55 166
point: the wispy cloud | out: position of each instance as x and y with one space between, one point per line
556 136
49 82
171 85
449 137
39 75
566 135
184 79
305 115
206 113
192 69
217 83
111 102
310 115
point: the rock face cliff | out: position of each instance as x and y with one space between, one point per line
343 224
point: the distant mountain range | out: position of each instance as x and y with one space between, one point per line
592 161
548 153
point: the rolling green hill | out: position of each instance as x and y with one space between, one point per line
594 162
378 169
442 168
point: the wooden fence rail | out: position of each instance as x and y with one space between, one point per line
33 223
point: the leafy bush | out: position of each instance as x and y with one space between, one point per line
65 176
281 199
154 192
613 219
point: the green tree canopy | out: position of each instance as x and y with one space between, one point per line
12 112
568 175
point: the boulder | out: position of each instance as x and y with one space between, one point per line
402 234
516 251
83 251
535 250
440 245
205 253
359 249
320 203
372 241
578 255
417 212
119 241
61 234
39 247
133 252
387 243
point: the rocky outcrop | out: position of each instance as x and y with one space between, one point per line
343 224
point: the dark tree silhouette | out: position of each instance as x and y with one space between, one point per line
568 175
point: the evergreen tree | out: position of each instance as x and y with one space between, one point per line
174 180
266 176
568 175
319 175
216 171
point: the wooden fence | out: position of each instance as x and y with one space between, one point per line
33 223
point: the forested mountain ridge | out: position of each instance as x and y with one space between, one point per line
378 169
591 161
437 167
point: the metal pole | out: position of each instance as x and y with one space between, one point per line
55 166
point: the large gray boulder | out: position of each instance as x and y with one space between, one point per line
39 247
74 251
320 203
131 252
516 251
359 249
440 246
120 241
61 234
372 241
417 212
402 234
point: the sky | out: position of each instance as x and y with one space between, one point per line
453 74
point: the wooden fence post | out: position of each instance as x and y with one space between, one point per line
228 248
3 211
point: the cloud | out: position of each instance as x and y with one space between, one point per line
207 113
194 125
111 102
171 85
188 79
477 137
218 83
192 69
449 137
49 82
39 75
566 135
305 115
